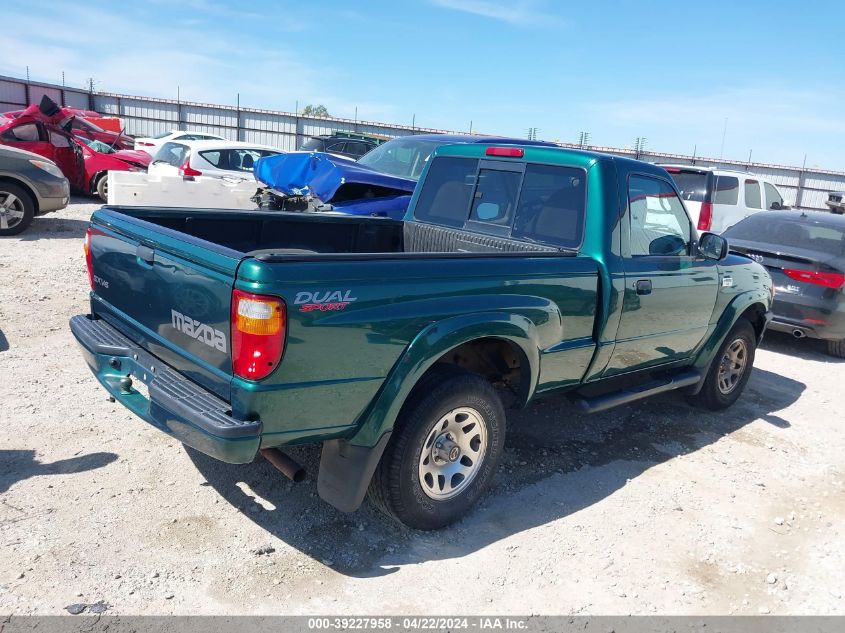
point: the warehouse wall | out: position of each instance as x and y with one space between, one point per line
146 116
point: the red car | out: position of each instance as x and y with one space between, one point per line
76 121
85 167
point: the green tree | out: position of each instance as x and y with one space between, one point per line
318 110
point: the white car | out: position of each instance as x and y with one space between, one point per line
716 199
220 159
152 144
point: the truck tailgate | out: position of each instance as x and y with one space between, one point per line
177 307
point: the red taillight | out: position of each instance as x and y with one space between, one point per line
705 217
187 171
259 325
512 152
142 143
828 280
86 246
672 170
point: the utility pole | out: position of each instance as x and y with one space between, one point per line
584 140
724 132
639 145
470 127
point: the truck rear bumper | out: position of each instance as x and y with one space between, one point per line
175 405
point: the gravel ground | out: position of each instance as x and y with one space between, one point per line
651 508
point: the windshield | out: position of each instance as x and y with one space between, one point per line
403 157
692 185
97 146
790 232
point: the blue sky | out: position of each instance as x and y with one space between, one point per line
669 72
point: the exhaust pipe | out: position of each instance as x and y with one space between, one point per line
284 464
798 333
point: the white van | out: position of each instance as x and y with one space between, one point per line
719 198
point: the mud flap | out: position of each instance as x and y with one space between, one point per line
346 471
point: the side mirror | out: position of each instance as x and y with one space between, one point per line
712 246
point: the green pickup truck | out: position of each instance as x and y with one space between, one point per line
397 345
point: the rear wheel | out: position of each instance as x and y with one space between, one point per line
16 209
730 370
103 187
836 348
444 451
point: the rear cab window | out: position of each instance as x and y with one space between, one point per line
523 201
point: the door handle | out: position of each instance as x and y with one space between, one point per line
643 286
145 254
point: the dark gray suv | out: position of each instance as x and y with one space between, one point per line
30 185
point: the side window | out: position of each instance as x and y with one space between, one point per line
726 190
752 194
659 222
495 197
336 148
27 133
356 148
446 192
58 140
214 157
551 206
772 196
172 153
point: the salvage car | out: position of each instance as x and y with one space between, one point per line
380 183
152 144
220 159
30 185
836 202
719 198
346 144
805 256
80 123
519 270
84 167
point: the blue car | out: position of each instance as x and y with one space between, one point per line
379 183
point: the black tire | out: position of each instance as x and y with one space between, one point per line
714 397
397 487
102 187
836 348
21 203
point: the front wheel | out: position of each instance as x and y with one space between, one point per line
443 453
16 209
730 369
103 187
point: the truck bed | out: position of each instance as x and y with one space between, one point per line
276 235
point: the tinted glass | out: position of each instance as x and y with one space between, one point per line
27 132
551 206
313 145
172 153
726 190
357 148
789 232
691 185
495 197
445 197
772 195
752 195
659 223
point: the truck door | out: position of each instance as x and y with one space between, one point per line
670 291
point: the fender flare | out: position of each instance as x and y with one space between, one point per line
732 313
427 347
347 465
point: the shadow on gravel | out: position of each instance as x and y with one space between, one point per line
575 460
51 227
806 348
17 465
4 343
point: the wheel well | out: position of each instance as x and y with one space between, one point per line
500 361
25 187
756 315
95 179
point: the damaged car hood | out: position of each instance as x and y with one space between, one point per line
325 176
